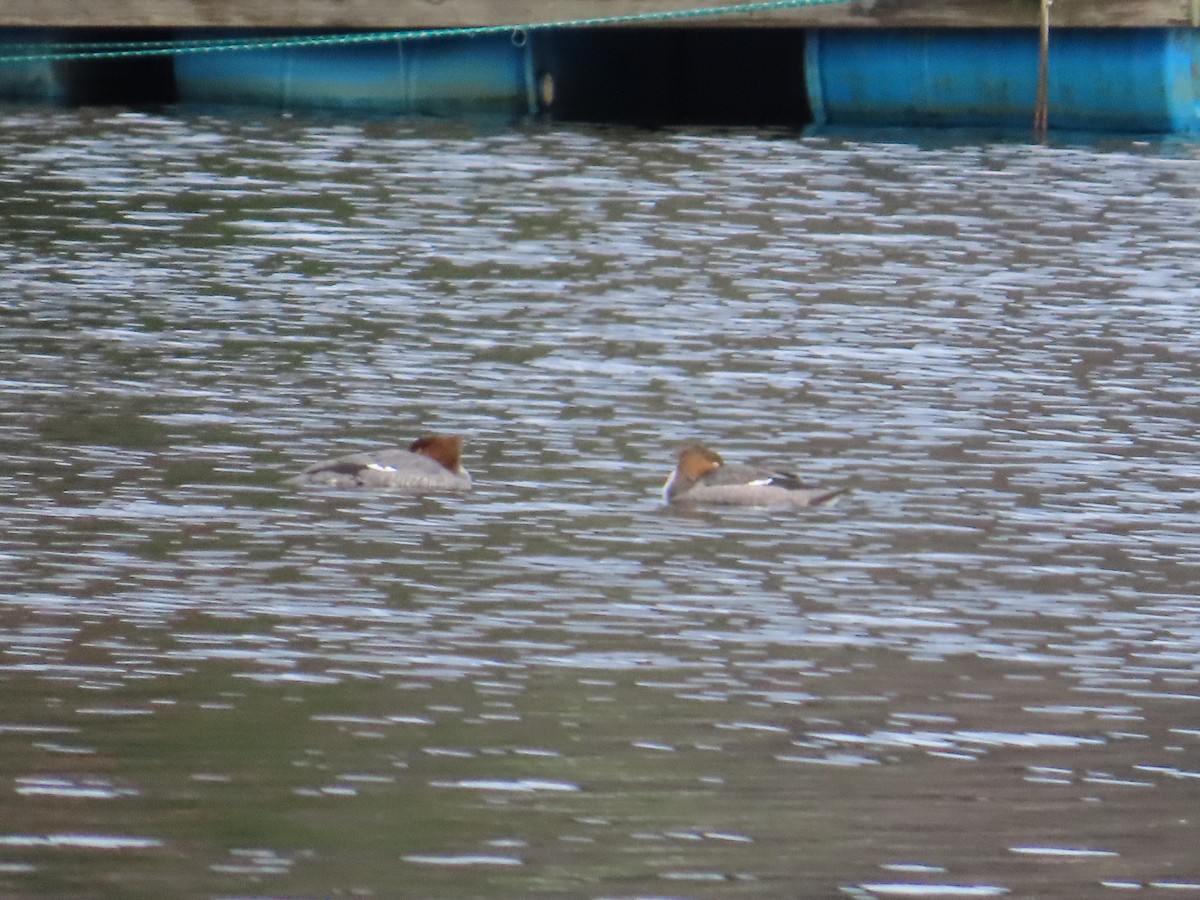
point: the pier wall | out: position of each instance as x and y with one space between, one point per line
405 14
1131 66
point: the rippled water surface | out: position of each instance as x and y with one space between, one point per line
978 675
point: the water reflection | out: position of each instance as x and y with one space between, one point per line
975 676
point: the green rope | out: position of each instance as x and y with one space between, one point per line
51 52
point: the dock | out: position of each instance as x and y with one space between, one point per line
1086 65
416 14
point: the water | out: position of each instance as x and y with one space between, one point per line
977 676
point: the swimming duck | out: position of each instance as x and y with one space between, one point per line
701 476
431 464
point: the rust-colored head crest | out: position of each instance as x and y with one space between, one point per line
442 448
697 460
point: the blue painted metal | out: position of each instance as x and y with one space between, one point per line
1130 80
41 81
490 74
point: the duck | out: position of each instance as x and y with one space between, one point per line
701 476
431 464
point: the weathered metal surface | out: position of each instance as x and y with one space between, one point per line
1098 80
402 14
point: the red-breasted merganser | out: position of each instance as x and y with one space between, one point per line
431 464
702 477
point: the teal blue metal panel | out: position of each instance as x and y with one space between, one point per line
40 81
1131 80
442 76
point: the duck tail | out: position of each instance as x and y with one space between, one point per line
829 497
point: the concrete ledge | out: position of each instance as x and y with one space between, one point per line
405 14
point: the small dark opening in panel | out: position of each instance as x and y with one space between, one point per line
667 76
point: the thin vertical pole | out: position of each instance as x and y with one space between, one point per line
1041 110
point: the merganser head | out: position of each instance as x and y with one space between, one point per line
695 461
445 449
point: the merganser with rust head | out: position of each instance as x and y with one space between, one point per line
702 477
431 464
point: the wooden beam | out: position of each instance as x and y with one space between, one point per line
405 14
